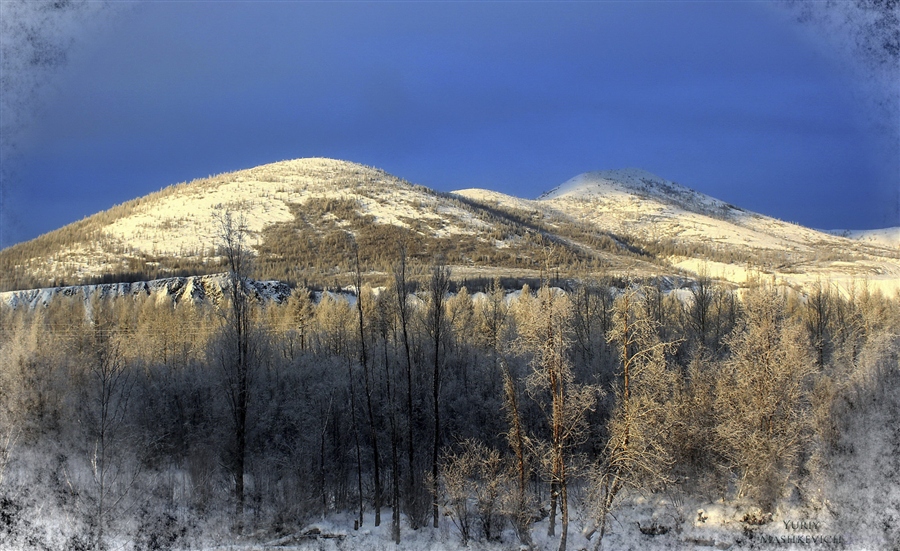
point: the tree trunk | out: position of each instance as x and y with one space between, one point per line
517 443
400 284
551 522
356 441
564 505
440 285
437 439
364 360
395 444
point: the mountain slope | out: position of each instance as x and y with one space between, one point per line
885 237
654 208
695 232
306 217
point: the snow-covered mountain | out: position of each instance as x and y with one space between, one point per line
183 221
886 237
696 232
634 181
304 217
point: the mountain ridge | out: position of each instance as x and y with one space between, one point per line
641 182
304 216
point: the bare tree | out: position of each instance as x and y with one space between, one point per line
364 361
437 291
493 324
700 308
637 453
384 322
7 441
401 285
546 335
355 423
108 384
457 479
473 475
492 321
520 505
817 317
236 362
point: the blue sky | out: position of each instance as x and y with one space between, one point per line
733 99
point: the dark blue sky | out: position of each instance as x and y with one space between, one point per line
732 99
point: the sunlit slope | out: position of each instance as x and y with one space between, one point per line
695 232
306 218
885 237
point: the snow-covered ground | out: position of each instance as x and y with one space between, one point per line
643 523
885 237
844 277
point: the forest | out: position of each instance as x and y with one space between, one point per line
507 416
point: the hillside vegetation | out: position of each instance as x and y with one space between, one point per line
306 218
595 416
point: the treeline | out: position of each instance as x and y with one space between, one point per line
143 424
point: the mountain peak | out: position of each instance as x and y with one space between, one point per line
640 183
604 181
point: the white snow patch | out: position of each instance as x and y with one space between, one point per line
885 237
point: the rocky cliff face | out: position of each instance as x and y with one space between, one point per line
178 290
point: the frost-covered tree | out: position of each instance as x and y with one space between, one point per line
545 334
491 321
473 482
107 383
300 314
519 504
637 453
762 398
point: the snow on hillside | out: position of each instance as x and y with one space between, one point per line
495 198
192 290
885 237
184 221
655 210
627 205
633 181
633 202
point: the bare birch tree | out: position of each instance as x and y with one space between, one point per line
415 507
364 362
637 452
